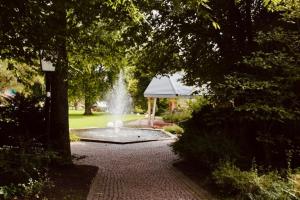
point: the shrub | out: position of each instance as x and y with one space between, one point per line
33 189
74 137
19 164
249 138
174 129
176 117
139 109
23 171
162 106
204 143
296 180
21 120
252 185
204 150
197 103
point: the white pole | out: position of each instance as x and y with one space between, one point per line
149 111
154 107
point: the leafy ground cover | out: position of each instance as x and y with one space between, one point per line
71 183
98 119
175 129
228 182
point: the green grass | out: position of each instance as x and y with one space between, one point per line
98 119
174 129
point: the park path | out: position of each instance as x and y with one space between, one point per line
140 171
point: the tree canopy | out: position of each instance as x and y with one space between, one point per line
29 26
247 51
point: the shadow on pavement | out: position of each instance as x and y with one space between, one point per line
71 182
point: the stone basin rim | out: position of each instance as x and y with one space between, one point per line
170 136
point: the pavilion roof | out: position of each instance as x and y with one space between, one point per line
169 86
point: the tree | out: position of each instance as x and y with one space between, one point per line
248 53
28 26
7 78
204 39
94 66
91 83
21 78
264 88
138 81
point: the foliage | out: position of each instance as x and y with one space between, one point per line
19 164
20 77
197 103
7 79
253 185
39 25
174 129
204 148
33 189
23 171
264 91
138 109
176 116
203 38
22 120
29 26
94 66
182 114
296 180
226 129
74 137
23 158
138 81
162 106
90 83
254 93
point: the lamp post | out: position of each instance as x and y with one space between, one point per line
48 68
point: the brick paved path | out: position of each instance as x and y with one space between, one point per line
141 171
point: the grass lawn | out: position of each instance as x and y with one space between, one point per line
98 119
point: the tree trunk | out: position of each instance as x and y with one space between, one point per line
87 106
76 105
59 133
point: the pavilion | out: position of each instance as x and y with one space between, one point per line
168 86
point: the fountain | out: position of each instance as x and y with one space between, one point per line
119 103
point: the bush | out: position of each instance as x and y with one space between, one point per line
252 185
23 159
176 117
174 129
204 143
197 103
139 109
162 106
17 165
181 115
23 172
33 189
266 141
205 151
21 120
74 137
296 180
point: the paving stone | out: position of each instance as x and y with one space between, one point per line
141 171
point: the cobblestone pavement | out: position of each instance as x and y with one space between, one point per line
141 171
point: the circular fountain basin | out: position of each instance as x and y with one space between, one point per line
121 135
